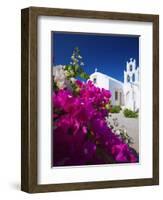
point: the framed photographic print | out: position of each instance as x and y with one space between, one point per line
90 100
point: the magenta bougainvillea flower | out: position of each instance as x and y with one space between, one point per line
81 135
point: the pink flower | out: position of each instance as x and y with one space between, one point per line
80 128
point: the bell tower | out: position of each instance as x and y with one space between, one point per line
131 75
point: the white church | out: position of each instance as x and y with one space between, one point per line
126 93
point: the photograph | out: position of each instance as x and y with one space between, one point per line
95 99
89 99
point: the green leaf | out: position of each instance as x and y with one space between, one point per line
84 75
76 67
55 86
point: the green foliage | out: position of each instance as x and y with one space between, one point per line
76 58
74 69
115 109
84 75
55 86
129 113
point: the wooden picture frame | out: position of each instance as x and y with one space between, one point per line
29 134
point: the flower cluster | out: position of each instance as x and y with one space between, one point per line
81 135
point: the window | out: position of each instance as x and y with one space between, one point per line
116 95
130 67
120 98
133 78
94 80
128 78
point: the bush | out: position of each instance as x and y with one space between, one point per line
129 113
115 109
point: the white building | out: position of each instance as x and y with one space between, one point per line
125 94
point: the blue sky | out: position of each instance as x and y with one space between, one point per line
107 53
